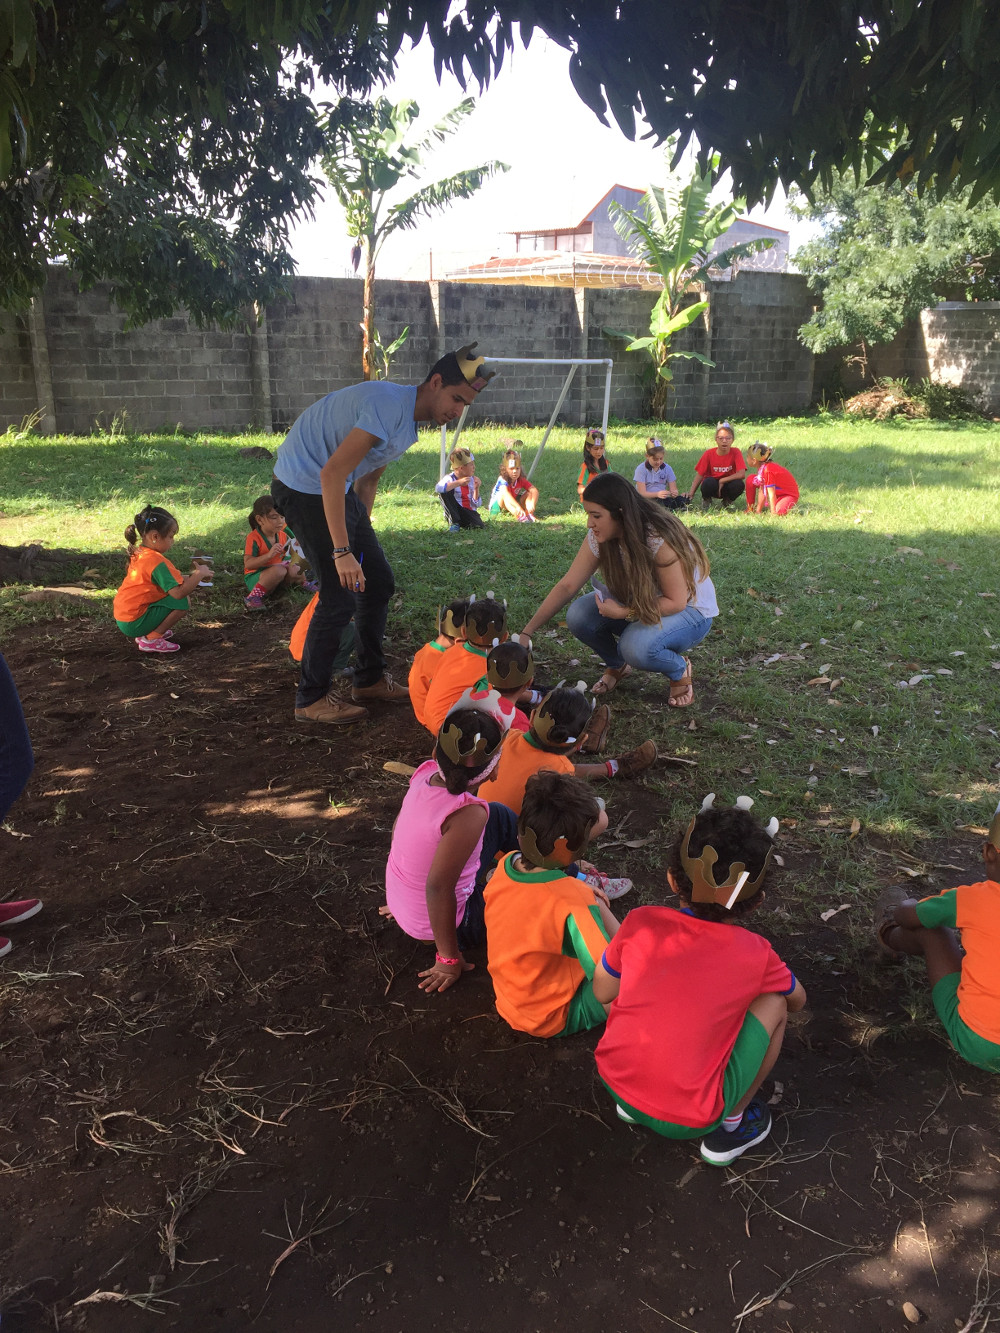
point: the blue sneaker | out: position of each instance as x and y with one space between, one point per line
723 1146
454 528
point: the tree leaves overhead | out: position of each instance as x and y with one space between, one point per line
885 255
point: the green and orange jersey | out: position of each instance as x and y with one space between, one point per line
974 909
150 576
426 661
520 757
257 544
544 936
459 669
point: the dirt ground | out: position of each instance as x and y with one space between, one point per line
228 1107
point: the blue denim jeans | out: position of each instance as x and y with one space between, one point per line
647 647
16 759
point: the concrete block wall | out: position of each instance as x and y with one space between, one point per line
961 342
18 398
761 367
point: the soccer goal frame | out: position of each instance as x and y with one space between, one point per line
573 363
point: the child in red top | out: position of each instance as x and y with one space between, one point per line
698 1003
510 670
266 563
720 472
965 989
545 930
426 660
595 459
772 485
513 493
154 593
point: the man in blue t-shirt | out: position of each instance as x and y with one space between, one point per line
325 478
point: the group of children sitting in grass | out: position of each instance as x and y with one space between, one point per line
720 474
487 852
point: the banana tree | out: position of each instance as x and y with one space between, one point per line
673 230
365 158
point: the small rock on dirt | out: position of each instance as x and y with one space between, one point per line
912 1313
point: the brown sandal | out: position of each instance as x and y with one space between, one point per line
611 679
684 698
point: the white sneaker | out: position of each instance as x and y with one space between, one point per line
614 888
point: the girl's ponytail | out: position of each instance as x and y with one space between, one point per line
150 519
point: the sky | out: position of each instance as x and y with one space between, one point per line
562 161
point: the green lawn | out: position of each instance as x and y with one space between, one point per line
888 571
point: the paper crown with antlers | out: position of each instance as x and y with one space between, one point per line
489 632
760 451
508 675
543 723
561 854
700 869
472 367
474 751
448 623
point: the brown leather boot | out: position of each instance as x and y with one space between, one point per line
330 709
386 690
635 761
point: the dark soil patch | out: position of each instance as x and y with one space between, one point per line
228 1106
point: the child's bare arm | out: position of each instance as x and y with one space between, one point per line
460 834
611 923
796 998
591 771
604 985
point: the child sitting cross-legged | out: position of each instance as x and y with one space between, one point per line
698 1003
446 838
964 978
464 664
510 670
557 732
546 930
426 660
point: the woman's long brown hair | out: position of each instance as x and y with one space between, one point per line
627 563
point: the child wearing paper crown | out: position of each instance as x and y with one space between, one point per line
595 459
464 664
512 492
771 485
459 491
964 978
557 732
510 670
446 839
698 1003
546 930
426 660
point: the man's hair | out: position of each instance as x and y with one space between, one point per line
557 805
449 370
737 836
570 712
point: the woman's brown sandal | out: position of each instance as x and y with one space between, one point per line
684 696
611 679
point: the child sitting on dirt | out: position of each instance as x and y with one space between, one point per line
266 562
698 1003
546 930
445 839
463 665
965 989
513 493
510 670
771 485
153 596
459 491
558 730
426 660
595 459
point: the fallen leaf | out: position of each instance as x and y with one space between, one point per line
403 770
908 550
914 680
636 842
175 696
692 725
875 731
913 874
824 669
832 911
855 827
819 680
987 594
973 828
995 666
776 1095
943 671
764 792
856 771
834 684
780 860
959 652
752 592
911 1312
778 611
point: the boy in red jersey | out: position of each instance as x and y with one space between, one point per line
771 485
965 989
698 1003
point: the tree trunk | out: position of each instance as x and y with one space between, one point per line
368 321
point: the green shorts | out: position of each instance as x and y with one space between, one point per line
969 1045
585 1012
153 618
745 1061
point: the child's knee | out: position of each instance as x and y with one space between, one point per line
771 1011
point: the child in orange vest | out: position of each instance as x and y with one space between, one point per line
266 563
464 664
426 660
153 596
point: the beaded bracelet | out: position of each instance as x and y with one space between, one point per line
448 962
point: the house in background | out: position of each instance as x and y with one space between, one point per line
592 254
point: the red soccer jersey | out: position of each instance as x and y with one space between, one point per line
714 464
773 474
686 985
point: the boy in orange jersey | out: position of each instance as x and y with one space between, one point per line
557 731
546 931
965 990
426 660
464 664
